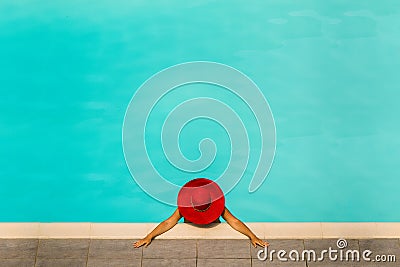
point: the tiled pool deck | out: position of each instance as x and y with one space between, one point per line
174 252
85 244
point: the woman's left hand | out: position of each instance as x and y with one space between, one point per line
145 241
256 241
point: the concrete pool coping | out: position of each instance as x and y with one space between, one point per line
270 230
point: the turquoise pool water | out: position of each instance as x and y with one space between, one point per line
328 69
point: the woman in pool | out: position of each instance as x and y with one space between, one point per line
201 201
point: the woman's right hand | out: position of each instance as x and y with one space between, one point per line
145 241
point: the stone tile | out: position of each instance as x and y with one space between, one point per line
17 262
170 249
120 230
338 264
18 248
381 247
63 248
387 230
114 249
60 262
224 249
324 244
353 230
292 230
279 244
169 262
378 264
125 262
222 231
64 230
258 229
19 230
184 231
276 263
223 262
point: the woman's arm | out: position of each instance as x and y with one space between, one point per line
239 226
161 228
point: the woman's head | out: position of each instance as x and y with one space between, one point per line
201 201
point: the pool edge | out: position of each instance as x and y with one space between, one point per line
306 230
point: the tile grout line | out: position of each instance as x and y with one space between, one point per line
141 257
251 260
37 248
37 251
90 244
197 253
304 247
322 233
87 255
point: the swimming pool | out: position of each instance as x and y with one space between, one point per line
327 70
